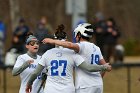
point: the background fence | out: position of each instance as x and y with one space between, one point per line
124 78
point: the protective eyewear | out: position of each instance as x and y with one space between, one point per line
33 43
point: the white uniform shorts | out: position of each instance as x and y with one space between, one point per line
52 89
93 89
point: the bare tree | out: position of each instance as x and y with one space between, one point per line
14 12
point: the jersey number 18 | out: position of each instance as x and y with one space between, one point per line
94 58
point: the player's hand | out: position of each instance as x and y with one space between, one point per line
47 40
28 88
108 67
30 61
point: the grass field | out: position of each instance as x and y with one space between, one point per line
117 81
114 81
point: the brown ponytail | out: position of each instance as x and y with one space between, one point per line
60 34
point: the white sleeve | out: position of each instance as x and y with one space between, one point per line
78 59
43 60
19 61
100 54
80 47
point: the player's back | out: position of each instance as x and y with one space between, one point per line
60 63
91 53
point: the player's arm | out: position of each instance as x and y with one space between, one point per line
33 77
17 70
102 62
65 44
94 68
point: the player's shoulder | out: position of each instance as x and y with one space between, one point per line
50 51
68 50
95 45
38 56
85 43
90 44
22 56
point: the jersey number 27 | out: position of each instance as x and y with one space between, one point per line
55 64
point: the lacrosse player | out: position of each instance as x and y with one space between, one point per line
26 64
86 82
60 63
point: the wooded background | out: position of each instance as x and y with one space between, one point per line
125 13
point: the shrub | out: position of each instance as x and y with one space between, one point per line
132 47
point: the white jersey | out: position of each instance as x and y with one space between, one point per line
92 54
60 63
25 75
